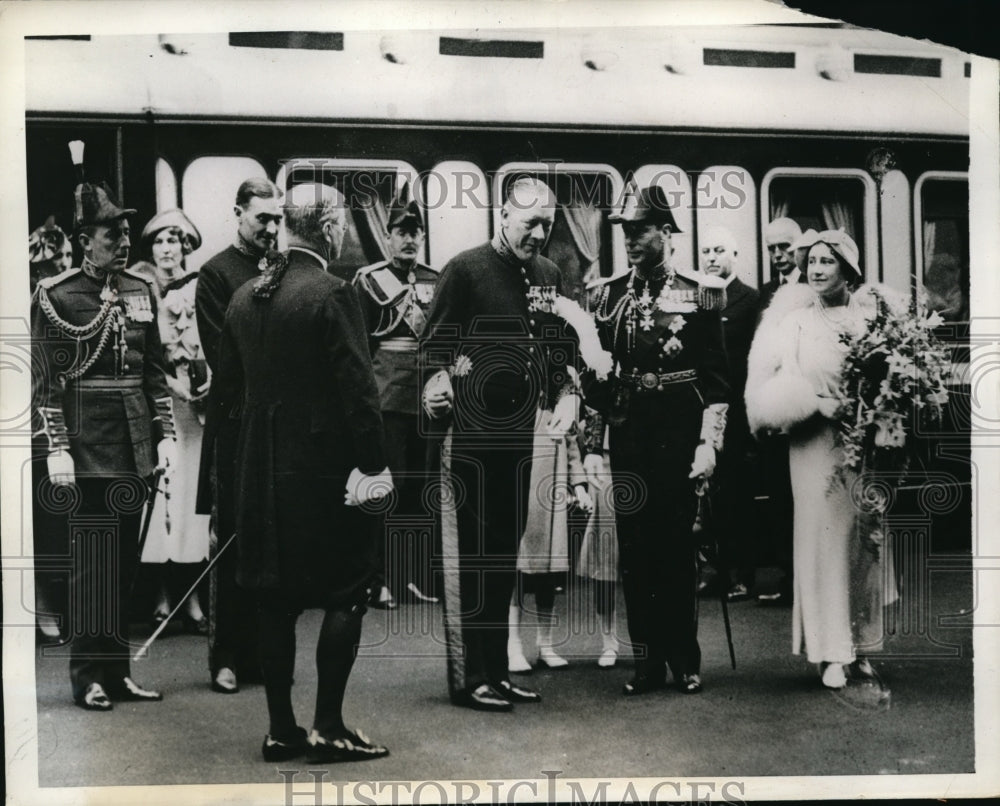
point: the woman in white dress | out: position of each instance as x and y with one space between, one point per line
842 576
178 538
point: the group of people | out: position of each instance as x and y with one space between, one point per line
297 420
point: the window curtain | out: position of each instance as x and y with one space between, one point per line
779 206
839 215
584 223
370 221
930 243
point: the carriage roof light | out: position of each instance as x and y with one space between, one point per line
392 49
835 63
172 44
681 56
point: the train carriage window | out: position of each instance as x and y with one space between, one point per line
941 242
676 185
726 196
456 198
582 242
208 190
369 187
166 185
821 199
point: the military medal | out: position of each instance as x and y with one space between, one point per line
137 308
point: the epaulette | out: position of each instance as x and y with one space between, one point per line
139 276
369 269
381 284
711 292
605 280
50 282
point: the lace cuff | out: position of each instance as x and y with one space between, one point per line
163 420
713 425
53 428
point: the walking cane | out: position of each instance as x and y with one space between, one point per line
154 488
706 516
163 624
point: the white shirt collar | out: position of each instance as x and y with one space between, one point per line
792 276
308 251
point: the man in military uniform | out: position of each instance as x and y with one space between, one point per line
665 406
494 355
395 296
232 640
103 409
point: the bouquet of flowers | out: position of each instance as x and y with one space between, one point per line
894 380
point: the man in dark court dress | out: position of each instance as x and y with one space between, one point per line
493 354
232 640
733 476
294 356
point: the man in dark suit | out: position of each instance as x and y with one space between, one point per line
232 640
294 357
104 417
779 237
733 476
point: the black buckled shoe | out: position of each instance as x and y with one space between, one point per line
484 698
95 699
689 684
518 693
130 691
642 684
285 750
353 747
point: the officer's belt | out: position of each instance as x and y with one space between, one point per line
107 382
650 381
399 345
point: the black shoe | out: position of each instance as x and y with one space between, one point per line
353 747
194 626
640 684
518 693
285 750
225 681
484 698
130 691
95 699
738 593
690 684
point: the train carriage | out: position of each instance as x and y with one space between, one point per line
832 126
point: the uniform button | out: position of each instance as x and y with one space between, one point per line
661 339
531 349
531 335
531 322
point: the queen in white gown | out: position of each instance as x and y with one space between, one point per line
843 576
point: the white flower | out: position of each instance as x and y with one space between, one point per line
462 367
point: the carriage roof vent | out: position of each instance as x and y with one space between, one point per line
503 48
288 40
727 57
897 65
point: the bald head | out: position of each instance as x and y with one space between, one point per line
315 217
527 215
717 248
779 236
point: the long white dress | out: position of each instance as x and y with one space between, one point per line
840 582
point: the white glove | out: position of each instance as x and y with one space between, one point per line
362 488
704 462
438 395
583 499
62 471
828 406
564 415
593 466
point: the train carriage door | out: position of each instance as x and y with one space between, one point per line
456 199
822 199
368 187
941 242
677 186
726 196
208 191
583 243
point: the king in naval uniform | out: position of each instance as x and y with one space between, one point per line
665 406
105 420
395 296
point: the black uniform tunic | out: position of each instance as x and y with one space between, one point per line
101 394
671 362
493 314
